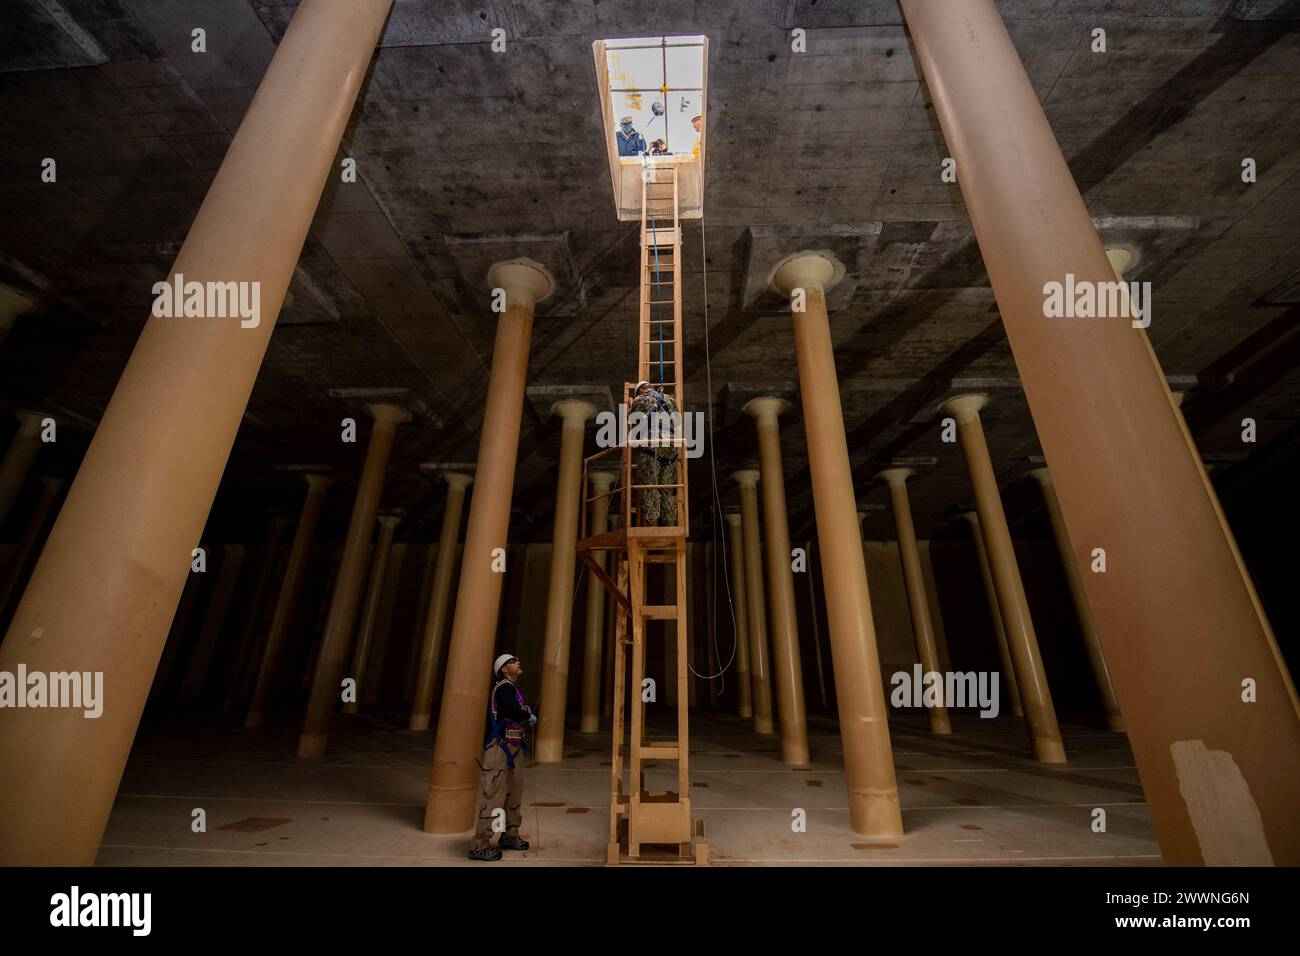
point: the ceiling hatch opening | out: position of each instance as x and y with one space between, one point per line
653 93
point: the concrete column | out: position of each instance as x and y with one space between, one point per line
336 644
601 482
1178 645
739 608
864 730
287 600
455 777
51 488
12 304
18 459
914 582
790 712
118 556
214 621
759 677
370 609
236 678
1035 696
1086 625
999 632
435 623
559 602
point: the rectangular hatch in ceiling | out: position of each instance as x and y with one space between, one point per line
660 84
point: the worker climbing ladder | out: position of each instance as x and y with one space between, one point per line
640 816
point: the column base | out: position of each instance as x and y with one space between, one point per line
763 725
548 751
875 814
747 712
1116 723
1049 751
450 810
312 745
351 708
418 722
795 754
940 724
589 725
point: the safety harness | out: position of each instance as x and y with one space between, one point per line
502 732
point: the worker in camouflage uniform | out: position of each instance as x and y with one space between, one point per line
655 465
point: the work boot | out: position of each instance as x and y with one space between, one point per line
489 854
512 842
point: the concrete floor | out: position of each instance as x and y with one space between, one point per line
970 799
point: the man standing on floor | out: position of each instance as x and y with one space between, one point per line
501 785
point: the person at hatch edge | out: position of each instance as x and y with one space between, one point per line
630 142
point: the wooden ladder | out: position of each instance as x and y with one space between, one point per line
640 817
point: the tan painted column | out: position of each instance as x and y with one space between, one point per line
914 582
287 600
759 677
336 644
12 305
237 677
18 459
370 609
435 623
786 664
559 602
739 602
864 729
1091 641
601 482
1035 695
999 631
1178 646
455 778
117 559
51 488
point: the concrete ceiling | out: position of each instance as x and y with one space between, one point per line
465 156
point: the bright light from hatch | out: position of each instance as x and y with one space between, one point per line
657 83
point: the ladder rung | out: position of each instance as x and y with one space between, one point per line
659 612
660 751
660 301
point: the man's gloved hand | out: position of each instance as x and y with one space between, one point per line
532 719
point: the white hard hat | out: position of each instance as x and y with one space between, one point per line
501 662
637 387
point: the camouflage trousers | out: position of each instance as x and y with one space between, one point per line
500 787
656 506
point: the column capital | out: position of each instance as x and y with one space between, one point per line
602 480
391 520
747 478
385 413
574 411
895 476
1121 260
965 408
1178 399
971 517
526 282
732 518
768 407
316 481
14 303
29 422
806 270
1042 476
457 480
